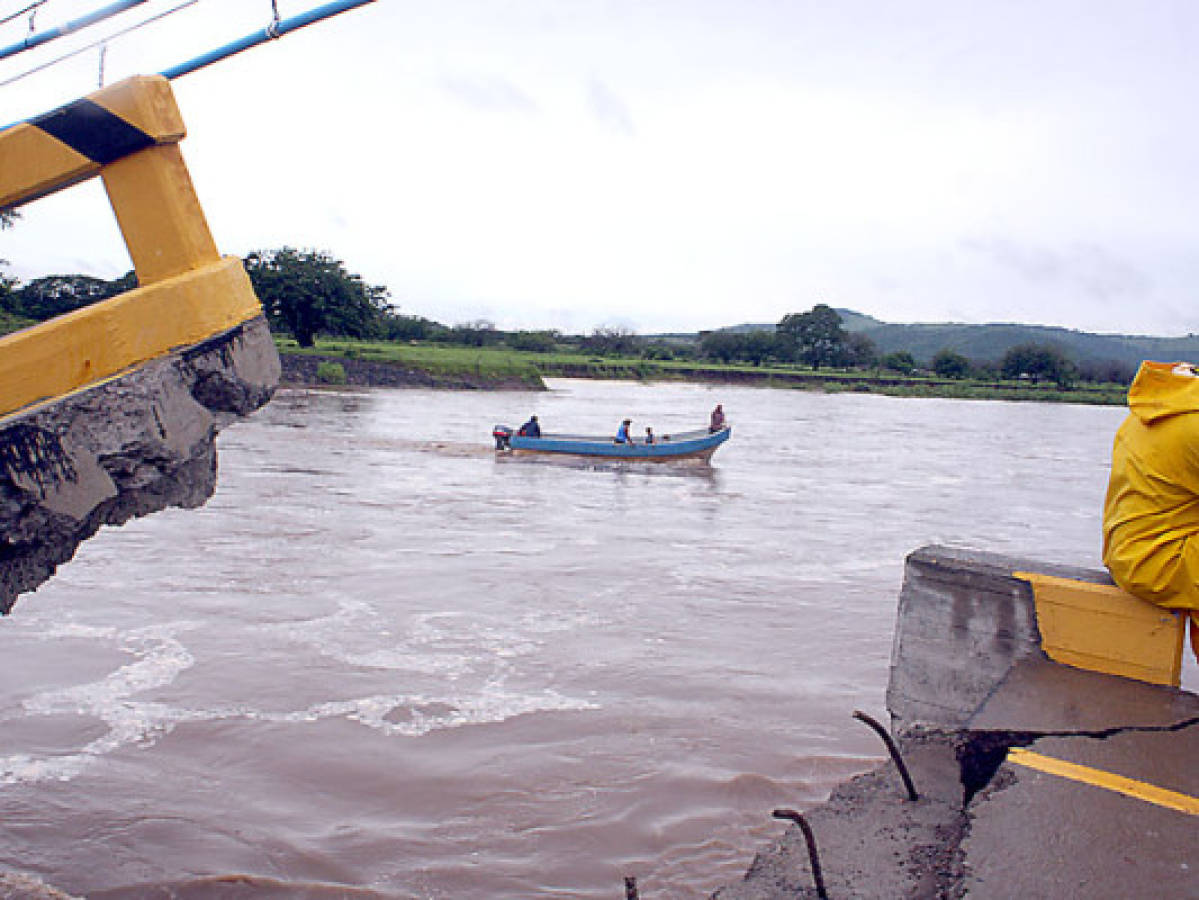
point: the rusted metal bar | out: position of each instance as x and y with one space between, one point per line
892 749
810 838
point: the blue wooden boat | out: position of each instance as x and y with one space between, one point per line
684 445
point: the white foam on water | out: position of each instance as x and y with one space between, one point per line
160 659
472 658
447 644
422 714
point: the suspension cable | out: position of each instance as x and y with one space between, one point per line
101 42
272 31
32 7
36 40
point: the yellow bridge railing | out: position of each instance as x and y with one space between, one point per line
129 135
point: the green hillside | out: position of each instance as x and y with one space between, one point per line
988 343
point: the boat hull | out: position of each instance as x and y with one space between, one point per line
694 446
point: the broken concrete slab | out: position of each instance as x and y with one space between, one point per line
873 841
963 621
125 447
969 683
1041 835
1042 696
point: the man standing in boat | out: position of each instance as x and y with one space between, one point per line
717 421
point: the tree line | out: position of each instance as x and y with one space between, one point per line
306 293
817 339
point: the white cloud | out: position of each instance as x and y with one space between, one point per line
685 165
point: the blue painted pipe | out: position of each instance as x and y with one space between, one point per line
36 40
282 27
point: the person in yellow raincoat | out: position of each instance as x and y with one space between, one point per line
1151 513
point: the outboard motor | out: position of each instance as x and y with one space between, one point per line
503 437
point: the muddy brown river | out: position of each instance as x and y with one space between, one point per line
381 658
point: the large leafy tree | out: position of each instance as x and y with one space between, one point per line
900 361
816 336
722 345
53 295
308 292
860 350
949 364
758 346
1037 361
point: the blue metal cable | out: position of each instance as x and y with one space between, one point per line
32 7
100 43
272 31
36 40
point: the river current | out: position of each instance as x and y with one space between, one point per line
380 657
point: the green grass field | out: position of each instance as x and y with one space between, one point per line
441 359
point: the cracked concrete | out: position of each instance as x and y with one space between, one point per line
125 447
1038 834
985 825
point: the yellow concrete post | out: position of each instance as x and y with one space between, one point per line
128 134
73 143
159 214
1101 628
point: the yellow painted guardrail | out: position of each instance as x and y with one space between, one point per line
1101 628
129 135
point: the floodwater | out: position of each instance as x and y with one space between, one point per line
382 658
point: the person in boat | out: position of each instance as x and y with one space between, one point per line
649 435
622 433
717 421
531 428
1151 510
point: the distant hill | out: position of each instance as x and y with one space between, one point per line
990 342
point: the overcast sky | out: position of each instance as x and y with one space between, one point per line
677 164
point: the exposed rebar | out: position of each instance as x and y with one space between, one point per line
810 838
892 749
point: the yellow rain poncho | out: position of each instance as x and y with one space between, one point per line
1151 514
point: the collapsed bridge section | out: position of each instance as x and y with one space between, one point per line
112 411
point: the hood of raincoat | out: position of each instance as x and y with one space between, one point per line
1157 392
1151 511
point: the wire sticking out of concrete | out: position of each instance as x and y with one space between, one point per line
892 749
810 838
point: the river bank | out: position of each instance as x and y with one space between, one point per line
301 371
483 368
